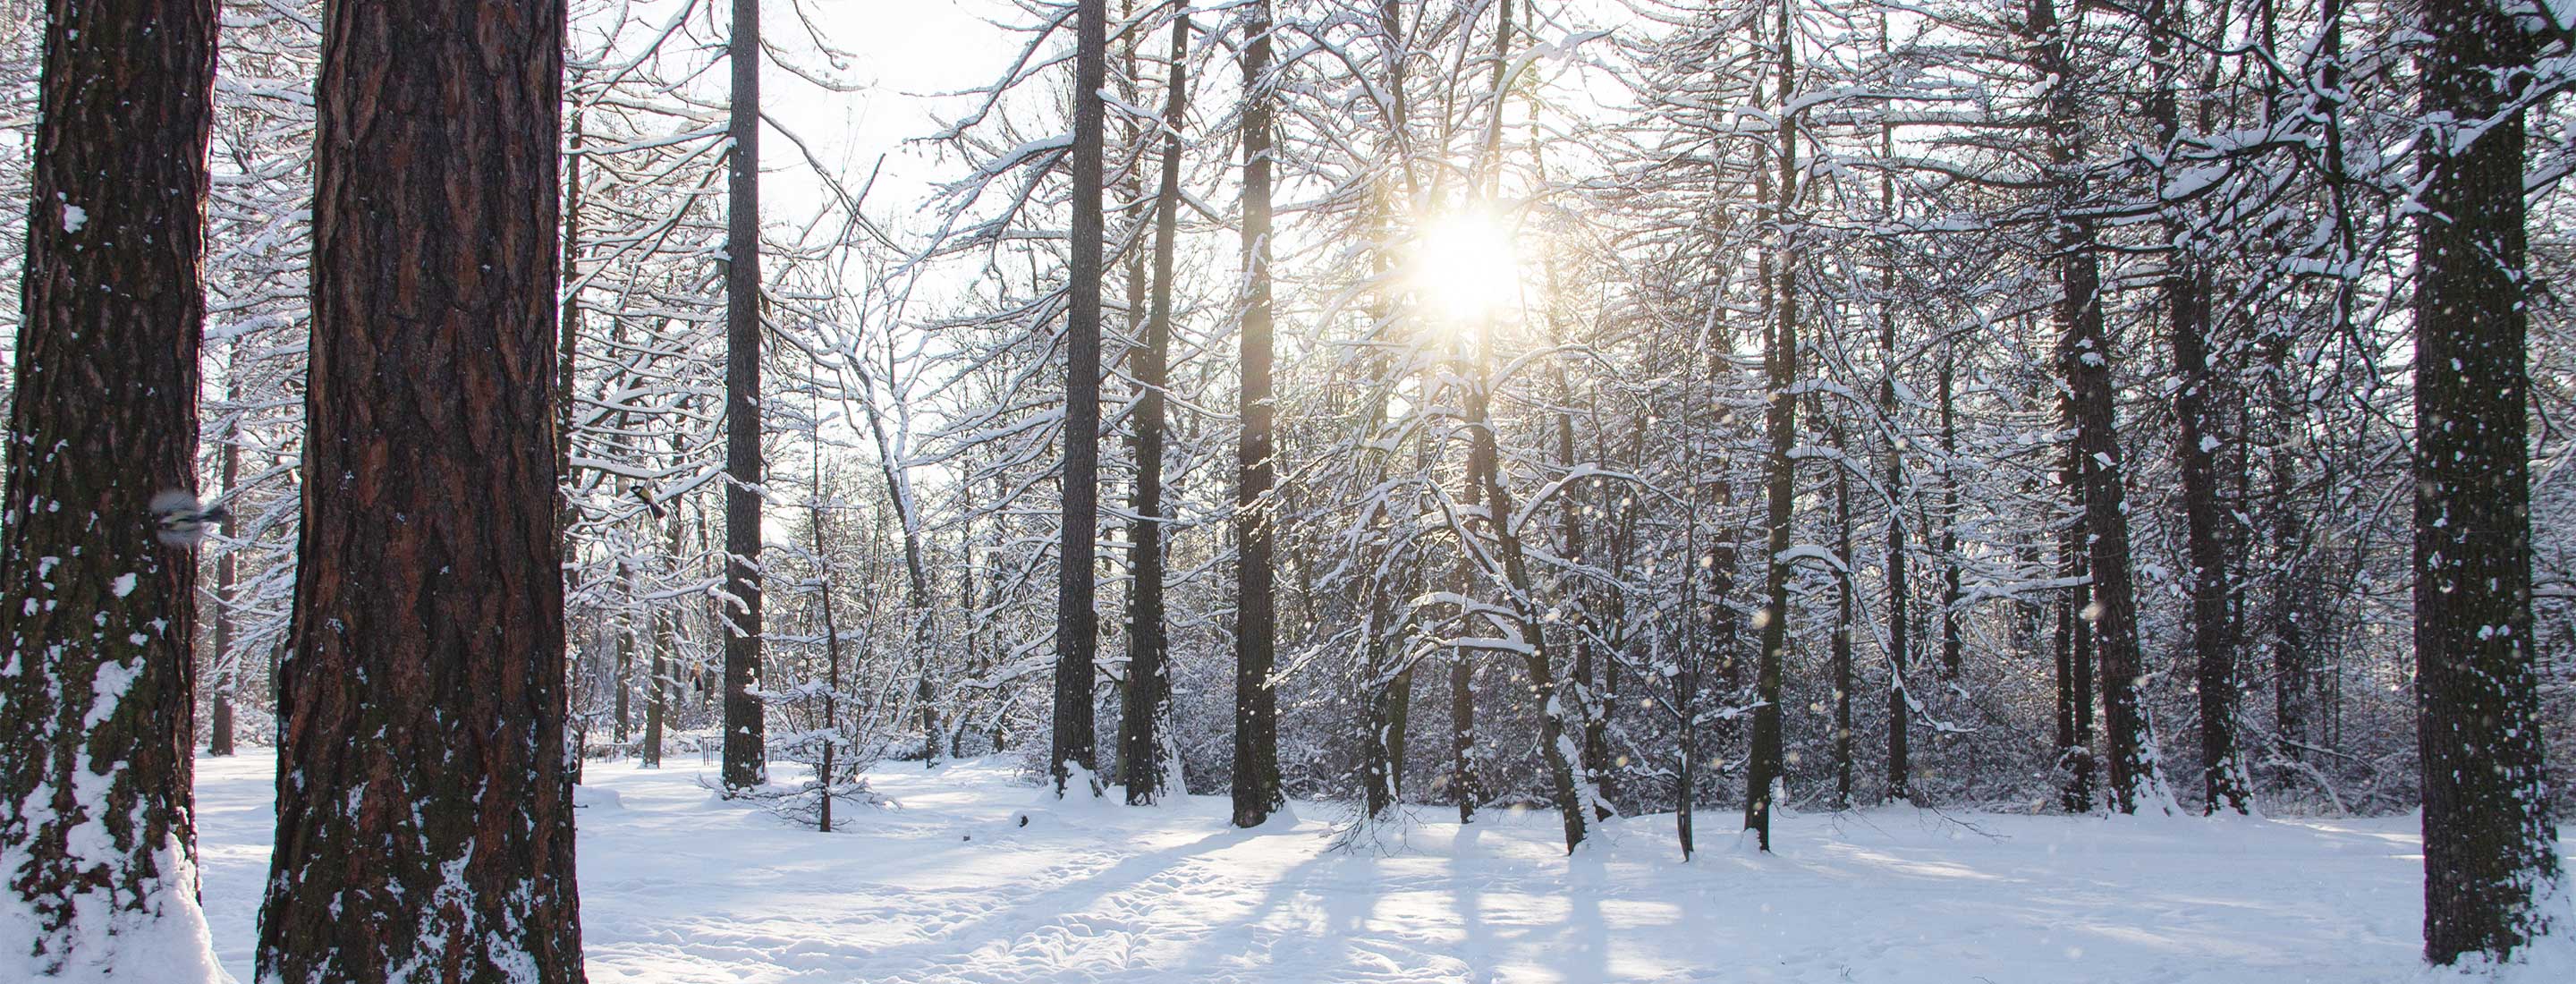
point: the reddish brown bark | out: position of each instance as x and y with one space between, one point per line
424 818
97 678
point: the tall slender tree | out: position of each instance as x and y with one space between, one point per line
1077 624
425 825
2091 408
2185 288
745 759
1145 704
2488 852
1256 787
1764 769
97 682
219 729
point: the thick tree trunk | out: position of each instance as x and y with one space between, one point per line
1256 702
2213 618
1149 683
2112 611
425 826
2488 835
745 726
1077 625
97 684
568 328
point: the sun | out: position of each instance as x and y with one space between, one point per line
1464 266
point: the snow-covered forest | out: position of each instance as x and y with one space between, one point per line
2004 477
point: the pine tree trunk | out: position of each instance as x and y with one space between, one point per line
98 683
2091 409
2213 620
1149 683
1947 551
2185 290
425 828
1842 639
2488 837
745 726
2074 659
1077 625
1899 766
1763 773
568 348
1256 702
666 649
219 739
2293 585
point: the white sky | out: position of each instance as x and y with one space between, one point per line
904 50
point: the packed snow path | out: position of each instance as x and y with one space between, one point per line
678 887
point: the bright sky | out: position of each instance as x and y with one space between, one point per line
903 52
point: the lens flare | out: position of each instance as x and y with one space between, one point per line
1464 267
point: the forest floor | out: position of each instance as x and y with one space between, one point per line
947 885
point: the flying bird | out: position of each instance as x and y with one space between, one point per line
182 521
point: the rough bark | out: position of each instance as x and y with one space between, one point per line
97 681
425 826
1842 636
1946 551
1900 766
2488 837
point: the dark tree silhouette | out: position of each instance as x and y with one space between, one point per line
2488 850
1149 684
1256 702
1077 625
745 758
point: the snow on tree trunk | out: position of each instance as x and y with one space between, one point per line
745 753
97 838
2084 360
2488 853
425 826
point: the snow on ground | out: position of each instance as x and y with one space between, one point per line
679 887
